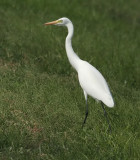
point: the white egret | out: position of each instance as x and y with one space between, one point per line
90 79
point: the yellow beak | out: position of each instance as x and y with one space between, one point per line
51 23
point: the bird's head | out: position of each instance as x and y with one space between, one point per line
60 22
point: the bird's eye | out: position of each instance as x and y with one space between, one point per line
60 21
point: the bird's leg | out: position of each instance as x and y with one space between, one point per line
86 114
105 114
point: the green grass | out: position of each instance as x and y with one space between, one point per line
42 106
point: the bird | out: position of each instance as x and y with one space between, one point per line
91 80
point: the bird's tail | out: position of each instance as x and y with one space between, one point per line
108 100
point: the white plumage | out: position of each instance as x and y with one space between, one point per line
94 84
90 79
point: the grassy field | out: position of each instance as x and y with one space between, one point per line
42 106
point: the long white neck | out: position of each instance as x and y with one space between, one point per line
72 56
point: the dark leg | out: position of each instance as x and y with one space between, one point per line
105 114
86 114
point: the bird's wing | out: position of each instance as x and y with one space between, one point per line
92 81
